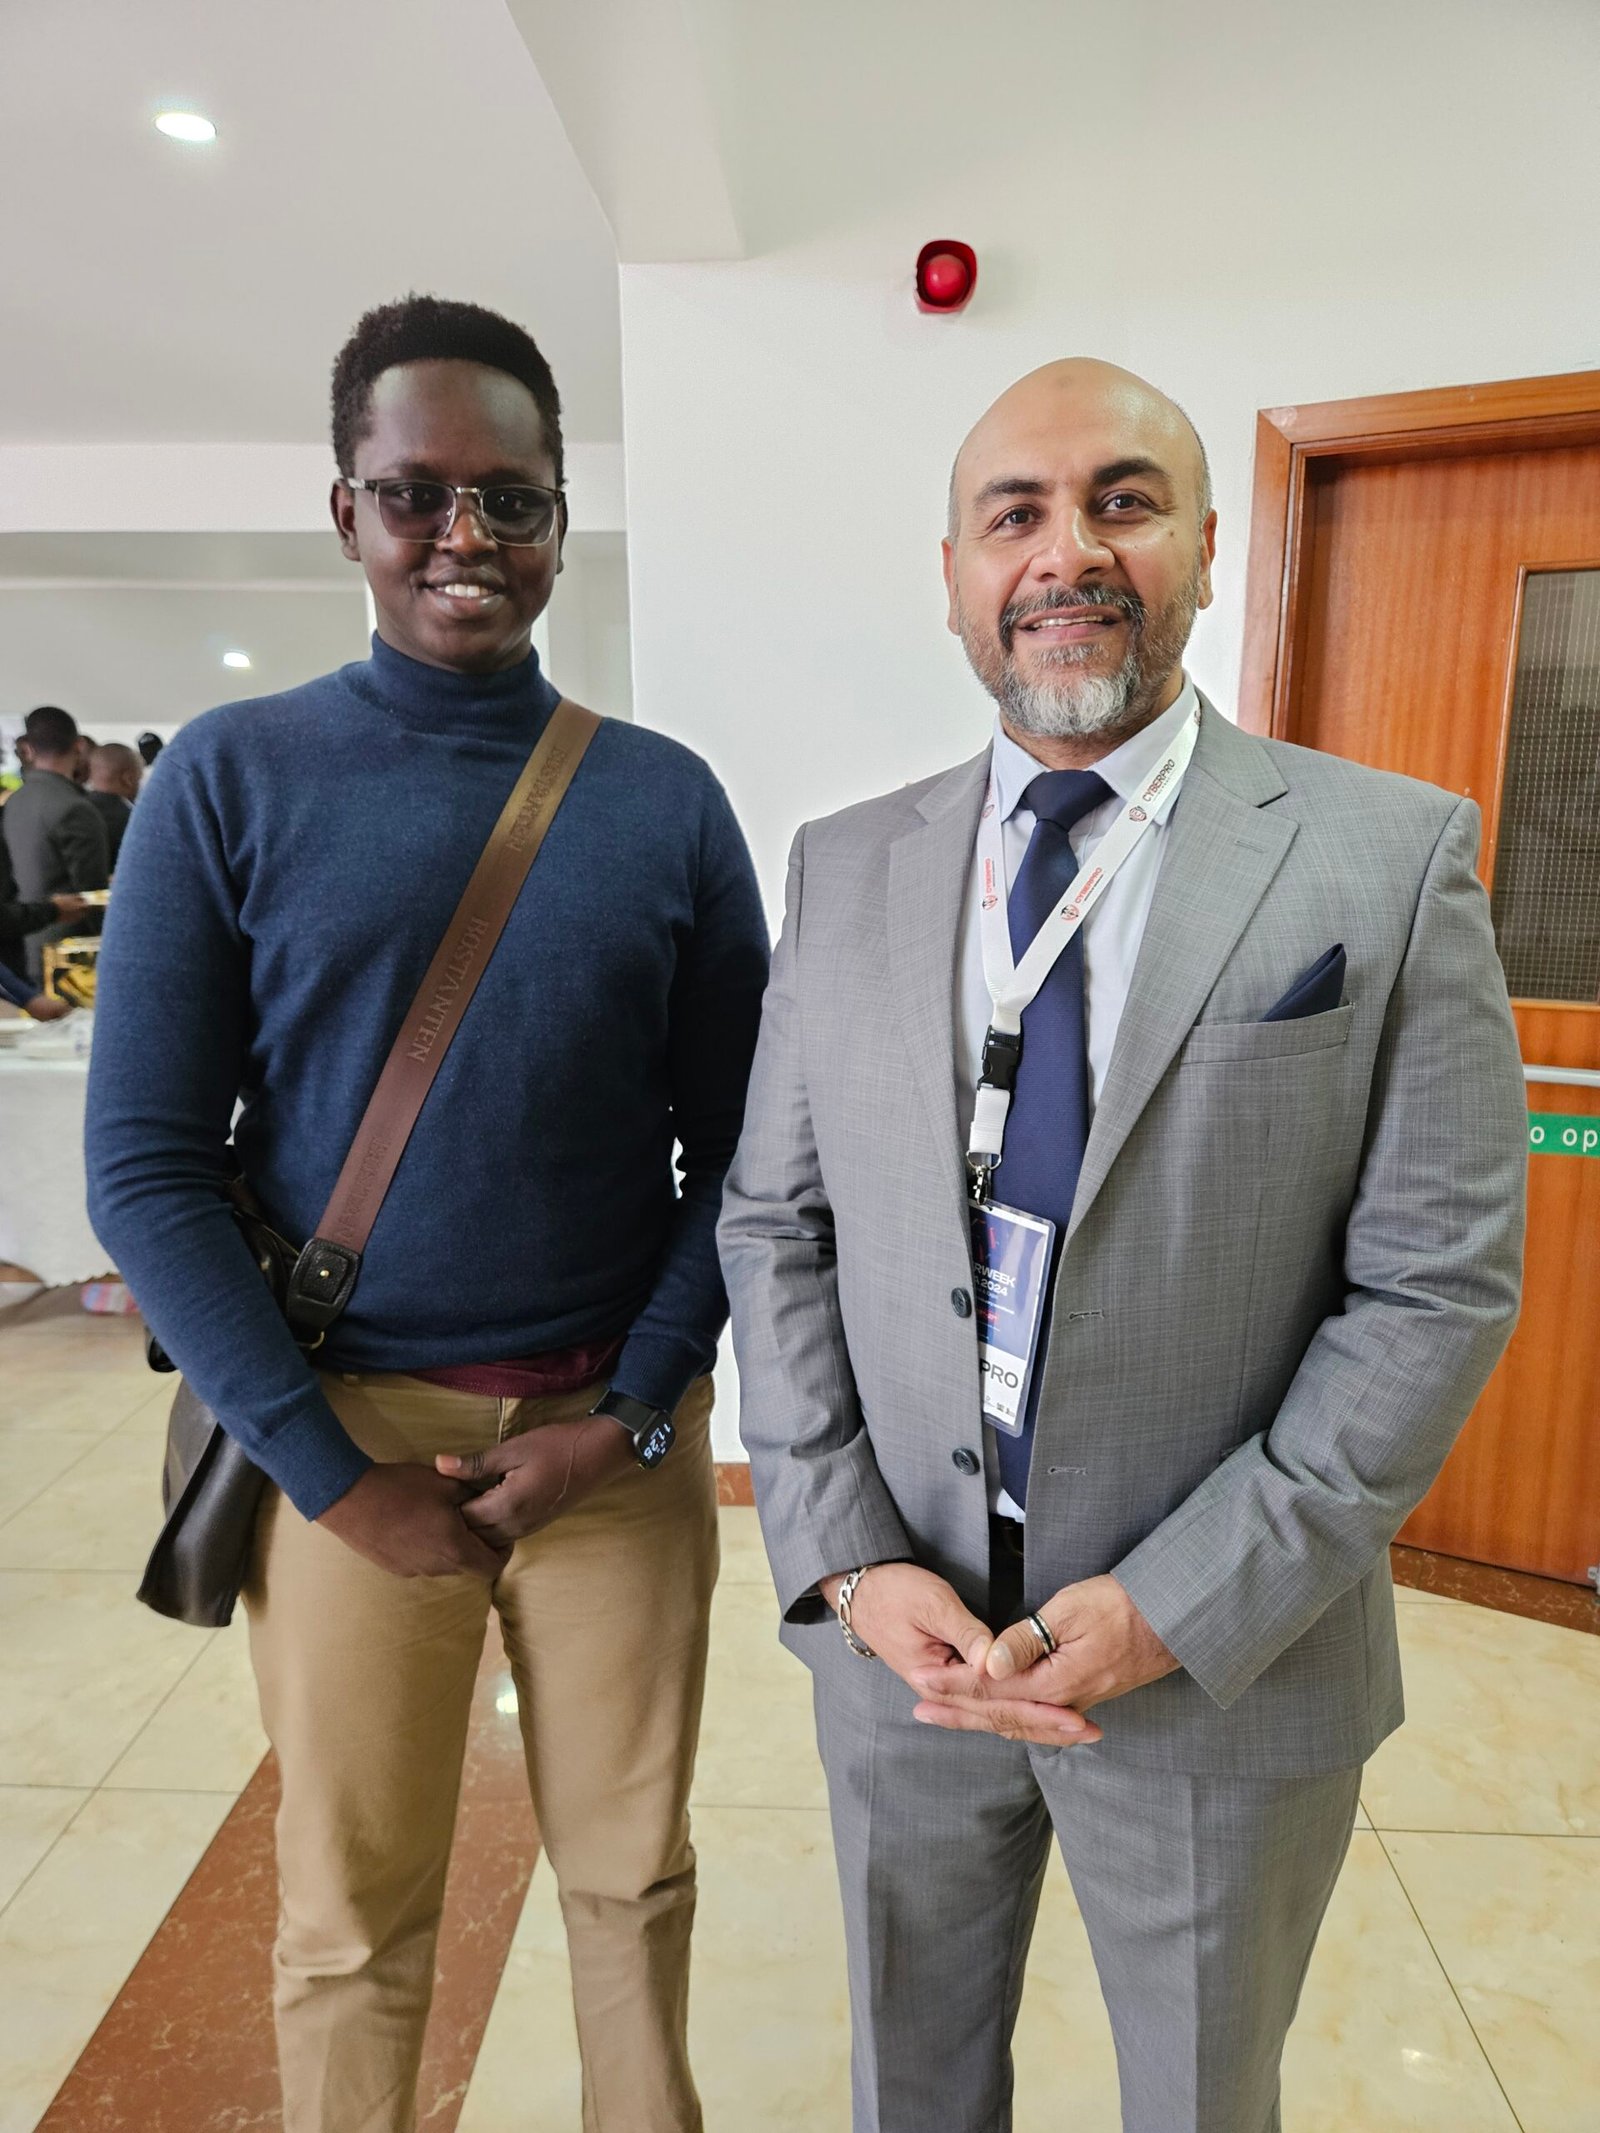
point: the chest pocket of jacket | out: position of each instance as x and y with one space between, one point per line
1242 1043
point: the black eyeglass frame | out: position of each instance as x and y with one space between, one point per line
457 490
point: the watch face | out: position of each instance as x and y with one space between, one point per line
654 1446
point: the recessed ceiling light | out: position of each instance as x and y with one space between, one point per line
185 126
236 659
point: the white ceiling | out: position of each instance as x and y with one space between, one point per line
838 107
128 629
154 291
715 129
119 658
174 558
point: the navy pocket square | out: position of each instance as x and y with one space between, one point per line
1317 991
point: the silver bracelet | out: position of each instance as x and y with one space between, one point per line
847 1593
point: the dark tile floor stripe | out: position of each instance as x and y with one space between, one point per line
1508 1592
733 1482
187 2046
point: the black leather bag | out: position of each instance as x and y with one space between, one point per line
210 1489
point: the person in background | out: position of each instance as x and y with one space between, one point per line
57 842
18 919
115 773
21 993
149 747
536 1298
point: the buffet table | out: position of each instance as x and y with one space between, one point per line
44 1224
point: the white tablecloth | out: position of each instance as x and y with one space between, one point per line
43 1221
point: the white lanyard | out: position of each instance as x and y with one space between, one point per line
1013 986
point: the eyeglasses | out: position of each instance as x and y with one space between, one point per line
513 514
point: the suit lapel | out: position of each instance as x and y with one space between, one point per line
1222 854
929 868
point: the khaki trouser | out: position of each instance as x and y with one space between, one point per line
366 1683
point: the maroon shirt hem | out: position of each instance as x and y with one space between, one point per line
529 1377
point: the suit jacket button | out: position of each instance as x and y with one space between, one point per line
965 1462
961 1303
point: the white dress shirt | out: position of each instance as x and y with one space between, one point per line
1112 932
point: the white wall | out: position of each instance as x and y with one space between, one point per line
225 488
1273 204
588 652
1250 205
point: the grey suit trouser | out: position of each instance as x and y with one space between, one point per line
1202 1897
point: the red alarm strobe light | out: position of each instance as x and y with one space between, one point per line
947 274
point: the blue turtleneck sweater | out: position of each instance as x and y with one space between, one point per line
286 878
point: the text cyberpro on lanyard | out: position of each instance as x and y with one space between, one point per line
1012 1250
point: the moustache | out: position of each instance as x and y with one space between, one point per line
1127 604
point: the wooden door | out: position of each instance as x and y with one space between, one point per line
1425 597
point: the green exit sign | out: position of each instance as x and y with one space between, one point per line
1550 1134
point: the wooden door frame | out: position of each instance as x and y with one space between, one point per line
1513 414
1440 423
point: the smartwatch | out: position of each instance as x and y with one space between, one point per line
650 1427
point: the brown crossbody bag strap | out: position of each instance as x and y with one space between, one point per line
325 1273
210 1488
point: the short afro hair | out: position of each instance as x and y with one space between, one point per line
50 730
425 329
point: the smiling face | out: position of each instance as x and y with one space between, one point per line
464 602
1080 548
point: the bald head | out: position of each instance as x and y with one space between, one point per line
114 767
1079 395
1079 552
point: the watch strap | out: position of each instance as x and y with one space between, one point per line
650 1428
637 1417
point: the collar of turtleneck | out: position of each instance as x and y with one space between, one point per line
514 702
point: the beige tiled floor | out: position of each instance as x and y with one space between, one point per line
1454 1987
124 1740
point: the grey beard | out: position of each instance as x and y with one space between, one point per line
1073 706
1077 706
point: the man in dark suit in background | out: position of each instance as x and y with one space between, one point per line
115 774
18 919
56 841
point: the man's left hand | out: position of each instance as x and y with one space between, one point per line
528 1481
1105 1647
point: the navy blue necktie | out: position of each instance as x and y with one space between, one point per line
1048 1123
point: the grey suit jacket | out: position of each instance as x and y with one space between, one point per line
1293 1259
56 842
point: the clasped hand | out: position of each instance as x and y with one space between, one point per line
463 1515
969 1681
528 1481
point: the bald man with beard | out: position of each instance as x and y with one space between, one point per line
1108 1284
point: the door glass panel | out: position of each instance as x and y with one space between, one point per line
1547 855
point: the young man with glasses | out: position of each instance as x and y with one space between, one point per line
485 1424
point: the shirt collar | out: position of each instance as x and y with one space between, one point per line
1126 769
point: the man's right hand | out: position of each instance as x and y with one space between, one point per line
918 1625
912 1619
407 1519
68 906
